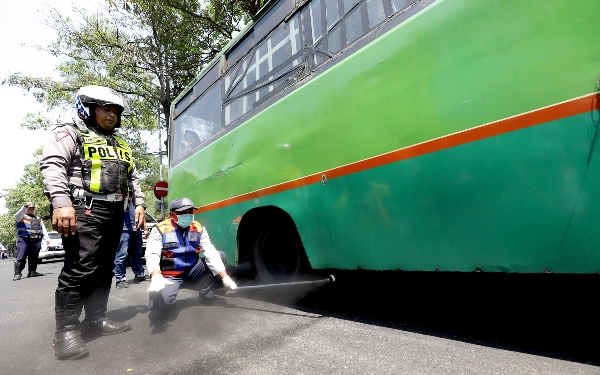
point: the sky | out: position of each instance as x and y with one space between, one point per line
22 23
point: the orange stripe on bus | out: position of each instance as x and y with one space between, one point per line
554 112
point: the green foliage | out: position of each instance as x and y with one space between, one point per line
147 50
8 231
30 188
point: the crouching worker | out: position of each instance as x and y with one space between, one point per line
179 250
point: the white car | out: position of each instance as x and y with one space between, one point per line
54 249
150 223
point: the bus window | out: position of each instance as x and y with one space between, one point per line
263 71
198 123
376 12
315 18
298 46
349 3
334 41
331 10
354 28
399 4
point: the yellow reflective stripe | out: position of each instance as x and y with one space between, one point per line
99 152
124 152
95 175
96 149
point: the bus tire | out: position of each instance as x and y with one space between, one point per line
278 255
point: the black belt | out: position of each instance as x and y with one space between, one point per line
107 197
79 193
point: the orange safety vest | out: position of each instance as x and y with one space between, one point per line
180 251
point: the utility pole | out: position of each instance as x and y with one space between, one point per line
160 166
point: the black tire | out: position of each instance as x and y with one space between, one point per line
278 255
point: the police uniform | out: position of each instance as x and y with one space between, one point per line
91 169
30 233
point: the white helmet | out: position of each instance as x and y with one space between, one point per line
98 95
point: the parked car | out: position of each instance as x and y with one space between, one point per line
54 249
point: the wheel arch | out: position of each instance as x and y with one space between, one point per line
254 221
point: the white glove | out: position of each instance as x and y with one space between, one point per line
158 283
229 283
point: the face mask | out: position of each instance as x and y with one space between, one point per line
184 220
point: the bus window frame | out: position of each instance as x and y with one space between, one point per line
247 44
212 138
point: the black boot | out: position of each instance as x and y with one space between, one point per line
18 268
68 343
95 322
33 269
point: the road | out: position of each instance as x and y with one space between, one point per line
366 323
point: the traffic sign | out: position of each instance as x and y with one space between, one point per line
161 189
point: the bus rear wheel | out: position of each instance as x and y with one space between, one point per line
277 255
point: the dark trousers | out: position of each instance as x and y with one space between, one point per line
130 245
28 249
199 274
90 253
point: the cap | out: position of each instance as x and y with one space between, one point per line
181 204
31 205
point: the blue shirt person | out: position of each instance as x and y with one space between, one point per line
130 245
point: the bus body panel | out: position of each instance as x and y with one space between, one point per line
520 201
453 210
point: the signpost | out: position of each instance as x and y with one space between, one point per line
161 189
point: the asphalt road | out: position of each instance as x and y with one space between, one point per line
365 323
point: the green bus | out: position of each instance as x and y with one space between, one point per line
428 135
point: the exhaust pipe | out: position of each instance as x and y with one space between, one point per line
328 280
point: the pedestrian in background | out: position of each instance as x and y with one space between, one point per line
30 234
179 250
88 173
3 253
130 245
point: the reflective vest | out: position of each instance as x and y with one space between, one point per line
179 252
105 168
30 227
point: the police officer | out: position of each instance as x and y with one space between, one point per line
179 250
88 173
30 233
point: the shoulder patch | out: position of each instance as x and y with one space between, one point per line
192 236
60 134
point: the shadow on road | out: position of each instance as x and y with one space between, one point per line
543 314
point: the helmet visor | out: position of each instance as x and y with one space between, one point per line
100 95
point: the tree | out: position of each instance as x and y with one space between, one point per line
147 50
224 17
29 188
7 231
